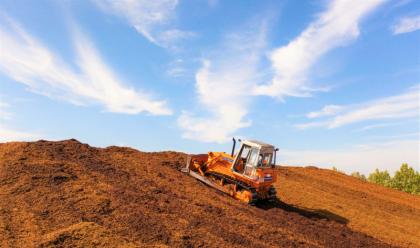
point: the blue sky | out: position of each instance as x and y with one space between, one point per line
331 83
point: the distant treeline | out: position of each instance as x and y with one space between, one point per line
405 179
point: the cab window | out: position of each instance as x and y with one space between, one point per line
245 152
253 157
264 160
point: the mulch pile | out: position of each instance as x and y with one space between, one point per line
68 194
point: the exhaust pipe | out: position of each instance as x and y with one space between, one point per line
275 157
233 147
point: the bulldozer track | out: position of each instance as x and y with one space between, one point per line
231 180
238 183
255 198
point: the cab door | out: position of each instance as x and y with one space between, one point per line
241 159
251 162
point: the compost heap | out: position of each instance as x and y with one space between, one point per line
69 194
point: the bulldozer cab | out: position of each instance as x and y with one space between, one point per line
253 155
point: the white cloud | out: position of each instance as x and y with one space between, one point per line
311 124
176 68
325 111
4 114
152 19
406 25
173 35
394 137
223 86
335 27
379 125
405 105
28 61
11 134
7 134
363 158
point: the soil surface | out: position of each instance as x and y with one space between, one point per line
68 194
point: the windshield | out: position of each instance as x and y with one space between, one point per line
264 160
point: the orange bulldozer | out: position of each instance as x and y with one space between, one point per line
248 176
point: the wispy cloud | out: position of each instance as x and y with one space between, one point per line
223 85
176 68
364 158
406 25
336 26
391 138
152 19
405 105
26 60
8 134
170 37
4 114
312 124
325 111
379 125
11 134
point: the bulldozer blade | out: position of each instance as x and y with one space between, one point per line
208 182
199 177
186 169
233 193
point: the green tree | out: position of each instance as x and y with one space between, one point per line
359 175
380 177
406 179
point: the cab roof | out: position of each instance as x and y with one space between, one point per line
257 143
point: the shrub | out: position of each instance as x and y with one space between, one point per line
380 177
359 176
405 179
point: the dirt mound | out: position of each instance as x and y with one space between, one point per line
386 214
70 194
